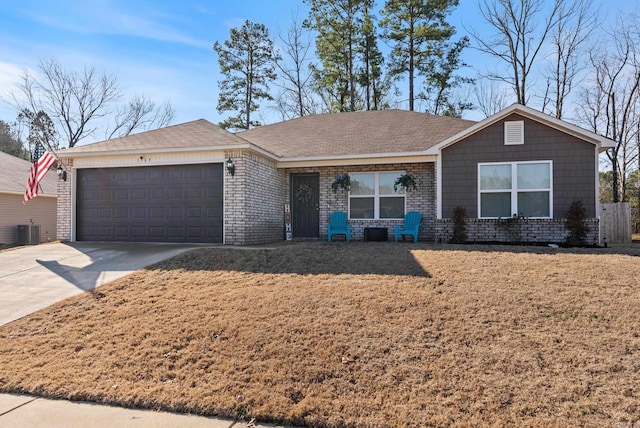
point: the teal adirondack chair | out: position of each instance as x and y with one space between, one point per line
338 225
410 227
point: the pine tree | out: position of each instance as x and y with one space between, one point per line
339 27
371 75
418 32
247 62
442 80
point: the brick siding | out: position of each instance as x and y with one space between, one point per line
515 231
254 200
65 211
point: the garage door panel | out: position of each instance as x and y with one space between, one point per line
175 193
157 232
121 213
156 193
121 232
102 194
175 213
138 232
165 203
156 212
104 213
138 176
120 194
138 213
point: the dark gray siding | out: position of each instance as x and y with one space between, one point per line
573 159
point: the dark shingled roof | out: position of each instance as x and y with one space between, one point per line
317 136
355 133
198 133
14 175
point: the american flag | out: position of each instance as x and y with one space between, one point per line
42 161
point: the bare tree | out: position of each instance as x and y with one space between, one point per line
140 114
609 104
575 24
292 60
77 101
518 37
489 97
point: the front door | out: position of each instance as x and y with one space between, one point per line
305 205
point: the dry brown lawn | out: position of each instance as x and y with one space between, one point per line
352 335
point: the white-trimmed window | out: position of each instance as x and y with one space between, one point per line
372 196
515 188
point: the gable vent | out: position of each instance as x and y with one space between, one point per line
514 132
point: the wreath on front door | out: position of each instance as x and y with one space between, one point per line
304 193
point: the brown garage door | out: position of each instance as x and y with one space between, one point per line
178 203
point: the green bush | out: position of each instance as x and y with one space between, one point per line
575 223
459 226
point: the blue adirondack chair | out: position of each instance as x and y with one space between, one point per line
338 225
410 227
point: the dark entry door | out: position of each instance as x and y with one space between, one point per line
305 206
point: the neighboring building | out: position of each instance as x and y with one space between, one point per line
173 185
14 174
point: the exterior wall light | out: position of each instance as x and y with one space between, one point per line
231 167
62 174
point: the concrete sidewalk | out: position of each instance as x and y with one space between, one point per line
27 411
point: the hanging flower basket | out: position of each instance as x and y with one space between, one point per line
407 181
342 181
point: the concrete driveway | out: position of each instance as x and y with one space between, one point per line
34 277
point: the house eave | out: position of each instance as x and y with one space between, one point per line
365 159
142 151
139 151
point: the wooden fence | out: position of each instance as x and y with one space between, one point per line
615 223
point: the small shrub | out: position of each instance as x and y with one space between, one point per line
459 226
576 224
512 227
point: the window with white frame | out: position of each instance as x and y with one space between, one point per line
372 196
515 188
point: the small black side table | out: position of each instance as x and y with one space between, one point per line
376 234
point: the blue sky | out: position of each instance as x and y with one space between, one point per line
160 48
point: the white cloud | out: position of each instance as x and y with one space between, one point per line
100 17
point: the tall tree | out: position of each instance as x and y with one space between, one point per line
575 24
292 59
75 101
370 76
442 81
10 142
520 30
609 103
417 31
39 128
247 62
338 24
